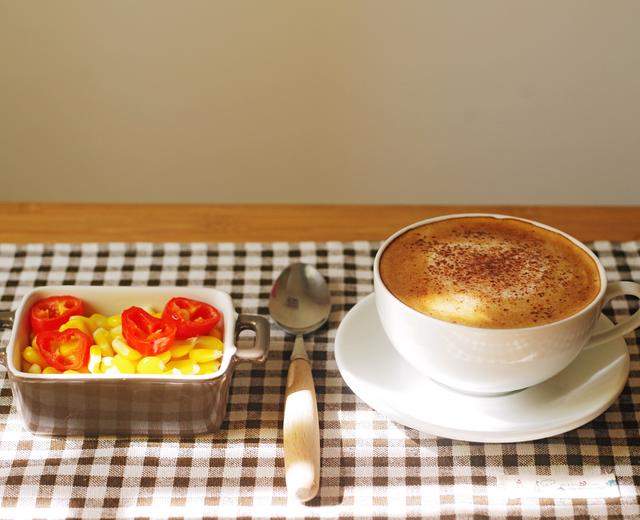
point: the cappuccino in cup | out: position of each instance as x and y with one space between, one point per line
488 272
487 304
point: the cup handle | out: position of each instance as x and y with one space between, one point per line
625 326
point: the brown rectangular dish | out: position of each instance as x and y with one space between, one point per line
128 404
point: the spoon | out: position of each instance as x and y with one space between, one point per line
300 304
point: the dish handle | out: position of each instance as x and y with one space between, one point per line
256 353
6 322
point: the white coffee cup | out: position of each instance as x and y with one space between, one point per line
489 361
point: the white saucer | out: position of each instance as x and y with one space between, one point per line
385 381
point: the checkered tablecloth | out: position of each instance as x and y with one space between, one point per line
370 466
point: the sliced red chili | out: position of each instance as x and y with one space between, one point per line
66 350
146 333
191 317
49 313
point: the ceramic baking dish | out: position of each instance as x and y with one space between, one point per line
128 404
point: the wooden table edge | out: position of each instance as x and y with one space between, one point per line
76 223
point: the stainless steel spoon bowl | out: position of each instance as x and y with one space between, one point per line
300 303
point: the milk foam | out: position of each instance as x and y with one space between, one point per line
489 272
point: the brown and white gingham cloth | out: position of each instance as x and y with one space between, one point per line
370 465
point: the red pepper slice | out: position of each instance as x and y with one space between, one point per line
49 313
66 350
191 317
145 333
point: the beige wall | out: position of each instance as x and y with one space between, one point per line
331 101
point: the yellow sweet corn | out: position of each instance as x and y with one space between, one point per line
102 337
87 321
209 342
184 366
111 354
116 331
210 367
150 365
32 356
95 359
204 355
124 350
114 321
107 350
165 357
106 365
124 365
181 348
78 322
98 321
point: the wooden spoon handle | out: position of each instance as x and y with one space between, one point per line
301 433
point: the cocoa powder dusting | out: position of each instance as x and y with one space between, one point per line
496 273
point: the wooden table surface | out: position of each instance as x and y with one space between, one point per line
35 222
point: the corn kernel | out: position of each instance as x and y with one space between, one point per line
106 366
165 356
184 366
210 367
35 369
125 350
116 331
102 337
204 355
77 322
150 365
70 372
181 348
51 370
31 355
124 365
25 365
98 321
95 359
69 325
87 321
209 342
114 321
